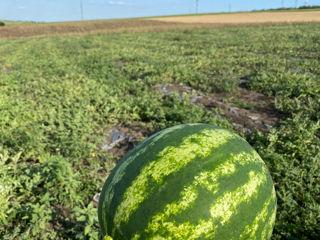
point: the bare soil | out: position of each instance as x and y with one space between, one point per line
121 139
256 111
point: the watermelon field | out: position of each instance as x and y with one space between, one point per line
72 106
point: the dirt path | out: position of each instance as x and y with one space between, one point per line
247 18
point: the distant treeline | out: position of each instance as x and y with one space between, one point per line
290 8
309 7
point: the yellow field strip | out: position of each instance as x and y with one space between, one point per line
247 18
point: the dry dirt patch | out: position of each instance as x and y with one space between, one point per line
256 110
121 139
247 18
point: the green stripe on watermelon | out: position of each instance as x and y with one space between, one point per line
268 212
173 191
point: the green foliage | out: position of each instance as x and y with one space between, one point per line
58 96
2 24
41 199
293 157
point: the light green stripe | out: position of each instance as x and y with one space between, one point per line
136 237
271 222
160 238
251 230
170 160
221 211
267 231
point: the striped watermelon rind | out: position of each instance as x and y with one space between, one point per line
192 181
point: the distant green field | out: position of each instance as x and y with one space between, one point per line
60 95
15 23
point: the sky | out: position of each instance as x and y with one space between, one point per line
70 10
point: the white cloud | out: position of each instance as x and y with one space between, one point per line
116 3
21 7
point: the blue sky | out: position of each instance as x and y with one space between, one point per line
69 10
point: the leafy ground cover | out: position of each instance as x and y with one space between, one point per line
60 96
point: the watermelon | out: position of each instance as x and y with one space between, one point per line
192 181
